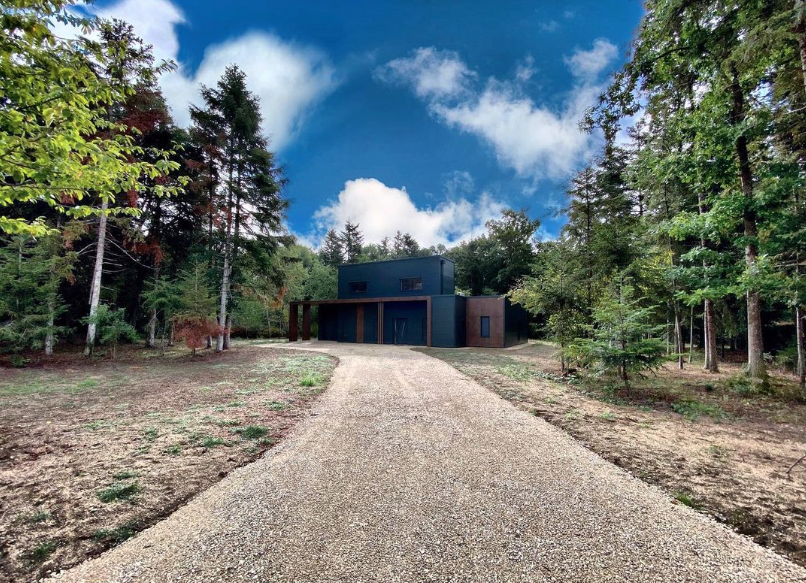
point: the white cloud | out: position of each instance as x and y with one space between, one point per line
431 73
535 140
526 70
587 65
549 26
381 210
289 79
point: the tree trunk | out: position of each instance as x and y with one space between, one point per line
755 345
49 336
227 329
152 329
801 366
222 312
711 364
678 332
691 336
95 289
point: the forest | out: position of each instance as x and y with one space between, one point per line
683 238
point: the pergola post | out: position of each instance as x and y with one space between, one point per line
293 322
306 321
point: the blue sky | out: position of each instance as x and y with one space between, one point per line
423 116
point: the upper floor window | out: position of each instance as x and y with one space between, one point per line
358 287
485 326
411 284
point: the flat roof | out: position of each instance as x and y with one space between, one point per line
398 259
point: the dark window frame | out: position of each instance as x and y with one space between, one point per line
414 283
481 327
354 285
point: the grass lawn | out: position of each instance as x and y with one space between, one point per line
704 438
93 451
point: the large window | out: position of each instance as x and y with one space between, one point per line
485 326
358 287
411 284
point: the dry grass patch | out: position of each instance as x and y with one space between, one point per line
710 442
93 451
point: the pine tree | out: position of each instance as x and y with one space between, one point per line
331 251
31 270
196 307
352 240
249 182
624 342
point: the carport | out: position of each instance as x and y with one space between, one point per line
362 306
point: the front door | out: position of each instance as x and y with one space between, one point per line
400 330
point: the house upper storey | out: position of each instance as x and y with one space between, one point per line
415 276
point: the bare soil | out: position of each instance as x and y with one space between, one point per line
701 437
93 451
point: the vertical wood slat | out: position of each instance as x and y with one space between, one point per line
359 324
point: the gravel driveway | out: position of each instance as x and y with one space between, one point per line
409 471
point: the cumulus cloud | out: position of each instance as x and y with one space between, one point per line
587 65
535 140
382 210
430 72
289 79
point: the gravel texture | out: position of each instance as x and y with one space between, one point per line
409 471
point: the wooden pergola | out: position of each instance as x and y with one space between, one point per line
293 315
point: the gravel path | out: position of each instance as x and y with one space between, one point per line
409 471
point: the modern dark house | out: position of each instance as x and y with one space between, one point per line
410 301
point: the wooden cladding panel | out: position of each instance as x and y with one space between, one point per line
493 308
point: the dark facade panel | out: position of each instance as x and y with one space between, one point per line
443 321
488 307
405 323
370 323
328 323
382 279
516 326
347 323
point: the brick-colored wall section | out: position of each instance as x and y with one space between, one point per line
492 307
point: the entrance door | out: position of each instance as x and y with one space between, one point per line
400 330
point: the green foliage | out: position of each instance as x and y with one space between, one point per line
112 327
331 251
624 339
554 292
59 145
31 270
352 240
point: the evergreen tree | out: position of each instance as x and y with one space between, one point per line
31 270
624 340
331 251
247 192
196 307
352 240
